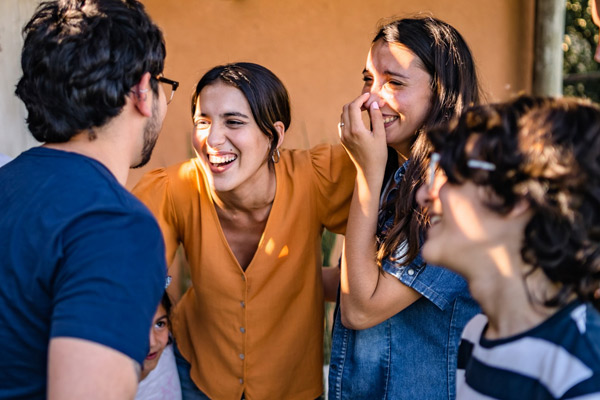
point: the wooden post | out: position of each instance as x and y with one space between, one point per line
548 61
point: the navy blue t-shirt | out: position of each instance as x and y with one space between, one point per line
79 257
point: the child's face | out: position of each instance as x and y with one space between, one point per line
159 337
464 231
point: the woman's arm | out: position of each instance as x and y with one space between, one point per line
367 296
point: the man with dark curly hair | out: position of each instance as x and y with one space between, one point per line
514 209
83 264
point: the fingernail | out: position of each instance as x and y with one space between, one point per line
375 105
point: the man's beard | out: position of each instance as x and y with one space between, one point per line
151 131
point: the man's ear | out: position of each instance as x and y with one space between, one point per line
281 131
142 96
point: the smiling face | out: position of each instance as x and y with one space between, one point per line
396 80
159 338
232 150
461 225
464 232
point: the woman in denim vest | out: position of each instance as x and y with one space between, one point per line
398 326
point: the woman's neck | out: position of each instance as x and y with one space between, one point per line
250 197
403 155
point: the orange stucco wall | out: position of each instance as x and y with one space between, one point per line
318 49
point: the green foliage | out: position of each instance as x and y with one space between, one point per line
580 41
327 243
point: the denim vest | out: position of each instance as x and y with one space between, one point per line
412 355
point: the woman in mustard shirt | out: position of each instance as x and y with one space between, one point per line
250 217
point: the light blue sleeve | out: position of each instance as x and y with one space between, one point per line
437 284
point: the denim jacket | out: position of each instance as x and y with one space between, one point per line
412 355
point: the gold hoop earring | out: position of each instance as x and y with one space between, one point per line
275 157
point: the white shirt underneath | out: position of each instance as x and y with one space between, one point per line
162 383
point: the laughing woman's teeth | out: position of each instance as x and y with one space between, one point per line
221 160
435 219
387 120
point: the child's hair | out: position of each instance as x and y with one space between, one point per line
547 153
165 301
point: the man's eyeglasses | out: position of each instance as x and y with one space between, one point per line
169 87
435 160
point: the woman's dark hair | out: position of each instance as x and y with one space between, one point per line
80 60
165 301
547 153
446 57
265 93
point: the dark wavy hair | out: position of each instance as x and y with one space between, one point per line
266 95
447 59
80 60
165 301
547 153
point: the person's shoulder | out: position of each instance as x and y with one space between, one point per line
587 319
183 170
74 183
178 182
182 173
4 159
326 161
320 151
437 284
474 328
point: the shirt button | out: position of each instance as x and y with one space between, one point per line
242 304
241 356
241 381
411 272
243 330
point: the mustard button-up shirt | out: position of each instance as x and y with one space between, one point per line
259 331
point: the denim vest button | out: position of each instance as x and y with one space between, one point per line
411 272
